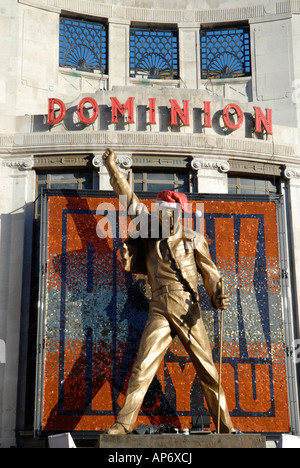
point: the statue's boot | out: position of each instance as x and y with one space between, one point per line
117 429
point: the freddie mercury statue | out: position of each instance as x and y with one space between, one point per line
172 267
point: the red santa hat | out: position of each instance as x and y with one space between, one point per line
169 199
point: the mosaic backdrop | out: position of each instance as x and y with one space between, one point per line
95 314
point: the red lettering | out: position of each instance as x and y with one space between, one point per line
152 119
88 120
117 107
232 114
51 120
207 115
263 121
239 113
183 114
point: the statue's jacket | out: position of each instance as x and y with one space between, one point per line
188 249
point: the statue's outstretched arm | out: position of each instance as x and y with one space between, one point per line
119 182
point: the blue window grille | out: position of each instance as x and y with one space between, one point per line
154 54
225 53
83 45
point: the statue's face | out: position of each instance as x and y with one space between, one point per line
169 220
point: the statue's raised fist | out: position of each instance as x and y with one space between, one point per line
109 156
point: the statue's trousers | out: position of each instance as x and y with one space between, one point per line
173 312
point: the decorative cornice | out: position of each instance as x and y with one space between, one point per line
291 173
25 164
123 161
92 8
222 166
184 143
98 161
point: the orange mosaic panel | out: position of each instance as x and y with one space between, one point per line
95 314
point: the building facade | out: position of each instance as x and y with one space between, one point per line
203 100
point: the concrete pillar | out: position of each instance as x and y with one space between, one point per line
16 196
189 54
211 175
293 175
124 162
118 53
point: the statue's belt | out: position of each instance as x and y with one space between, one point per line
169 288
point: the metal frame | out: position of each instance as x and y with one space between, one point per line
83 45
238 186
287 309
154 53
39 382
177 185
225 52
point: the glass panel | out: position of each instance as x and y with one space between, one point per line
225 53
64 186
159 187
154 53
232 180
232 190
138 187
87 185
245 191
160 176
64 176
83 45
247 182
182 189
260 183
183 178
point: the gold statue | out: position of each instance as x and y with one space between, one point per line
172 265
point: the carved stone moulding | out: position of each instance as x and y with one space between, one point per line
25 164
222 166
292 172
123 161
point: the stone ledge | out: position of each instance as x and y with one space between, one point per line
177 441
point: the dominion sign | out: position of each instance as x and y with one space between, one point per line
92 314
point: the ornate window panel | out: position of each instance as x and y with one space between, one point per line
67 179
154 53
249 185
157 181
83 45
225 52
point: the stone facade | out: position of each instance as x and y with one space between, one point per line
31 76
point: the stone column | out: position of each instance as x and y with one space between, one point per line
124 162
189 54
292 174
118 52
17 193
211 175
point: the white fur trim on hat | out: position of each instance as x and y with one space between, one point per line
168 204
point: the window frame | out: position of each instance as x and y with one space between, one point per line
48 182
231 59
244 189
174 72
102 42
146 181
